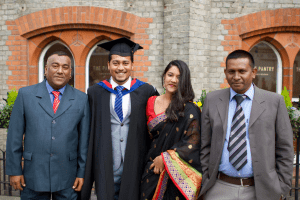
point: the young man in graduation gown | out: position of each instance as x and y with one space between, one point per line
118 138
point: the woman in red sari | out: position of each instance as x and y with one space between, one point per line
173 169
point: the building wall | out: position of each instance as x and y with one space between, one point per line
195 31
152 11
224 37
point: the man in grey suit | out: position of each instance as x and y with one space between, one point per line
54 119
247 145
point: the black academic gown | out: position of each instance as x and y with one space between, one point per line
99 166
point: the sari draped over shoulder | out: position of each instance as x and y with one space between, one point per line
179 144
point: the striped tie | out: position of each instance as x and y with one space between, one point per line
118 102
56 100
237 140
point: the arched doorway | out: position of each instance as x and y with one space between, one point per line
47 51
96 65
269 67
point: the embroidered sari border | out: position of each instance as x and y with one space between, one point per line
191 173
156 121
176 178
161 186
176 156
182 174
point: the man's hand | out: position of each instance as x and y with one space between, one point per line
78 184
158 165
17 182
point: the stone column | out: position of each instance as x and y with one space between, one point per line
187 37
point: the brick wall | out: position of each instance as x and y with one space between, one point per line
18 72
87 25
191 30
278 27
226 38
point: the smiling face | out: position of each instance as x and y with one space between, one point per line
120 68
58 71
239 74
171 79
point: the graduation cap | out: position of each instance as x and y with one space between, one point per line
121 47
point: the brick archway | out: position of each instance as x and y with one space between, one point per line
281 28
79 28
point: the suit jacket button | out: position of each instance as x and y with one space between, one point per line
53 122
51 154
122 124
121 140
53 138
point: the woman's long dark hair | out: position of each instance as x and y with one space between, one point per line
184 93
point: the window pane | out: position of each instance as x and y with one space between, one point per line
266 63
296 77
60 47
98 70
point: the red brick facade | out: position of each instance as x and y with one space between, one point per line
31 33
278 27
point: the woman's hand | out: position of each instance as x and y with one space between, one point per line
158 165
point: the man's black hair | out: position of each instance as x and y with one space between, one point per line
241 54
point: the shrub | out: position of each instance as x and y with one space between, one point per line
5 112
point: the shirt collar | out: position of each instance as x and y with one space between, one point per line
125 85
249 93
50 89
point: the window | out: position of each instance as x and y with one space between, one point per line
48 50
96 65
269 67
296 78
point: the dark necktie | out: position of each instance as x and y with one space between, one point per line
118 102
237 146
56 100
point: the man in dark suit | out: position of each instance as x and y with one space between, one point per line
54 119
247 145
118 140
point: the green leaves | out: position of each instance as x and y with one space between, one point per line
202 97
5 113
286 96
11 97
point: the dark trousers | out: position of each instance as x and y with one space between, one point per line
67 194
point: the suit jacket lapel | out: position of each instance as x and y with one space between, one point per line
257 106
223 109
44 98
65 103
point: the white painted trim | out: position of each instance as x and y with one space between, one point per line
87 64
41 59
295 99
279 67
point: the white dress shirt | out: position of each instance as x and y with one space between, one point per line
125 98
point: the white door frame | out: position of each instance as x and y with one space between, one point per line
87 63
279 67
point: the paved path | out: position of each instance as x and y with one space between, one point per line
93 197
